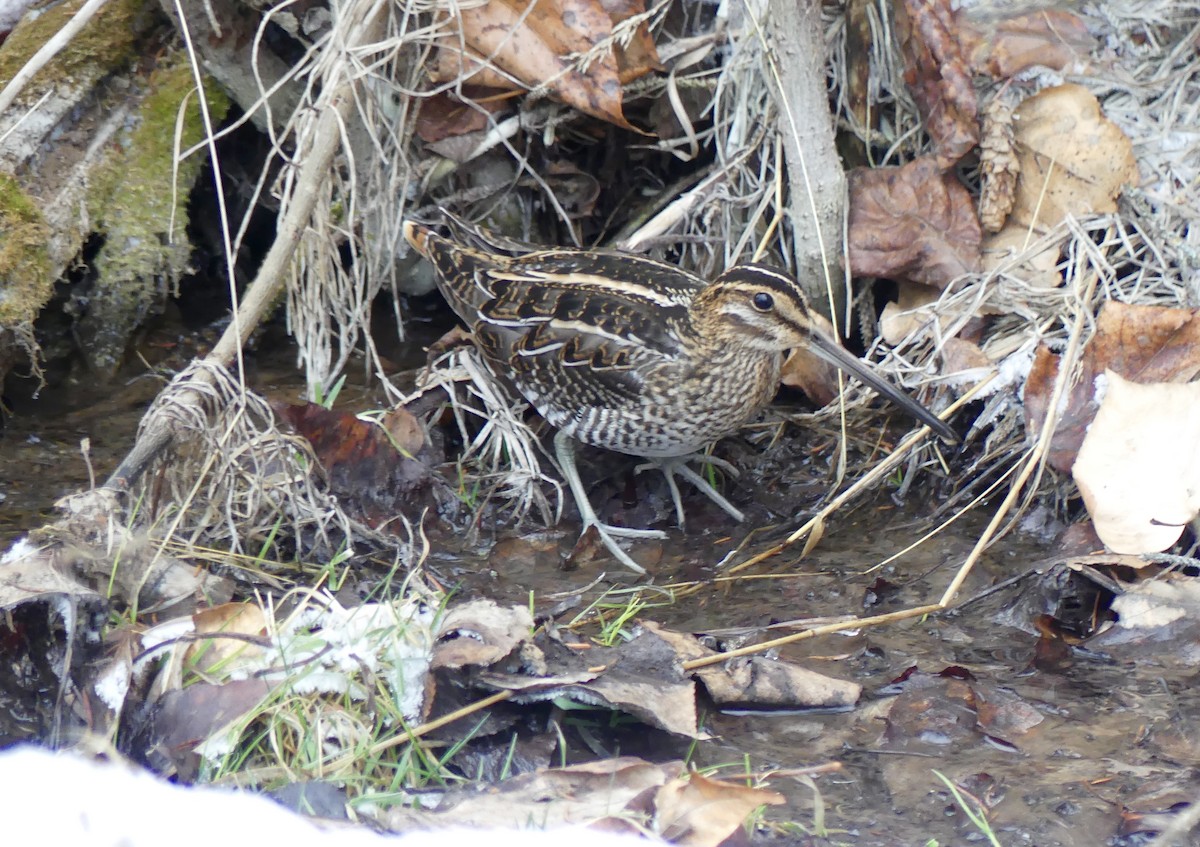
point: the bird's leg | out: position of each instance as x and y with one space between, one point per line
668 472
564 450
670 466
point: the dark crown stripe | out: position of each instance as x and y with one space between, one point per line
764 275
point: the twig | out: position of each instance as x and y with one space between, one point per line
1038 453
841 626
880 471
48 51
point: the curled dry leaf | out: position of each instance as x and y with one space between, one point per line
1004 47
937 74
758 681
913 222
443 116
1146 343
481 633
810 373
1139 467
507 44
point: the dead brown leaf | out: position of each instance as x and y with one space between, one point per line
954 707
183 719
1004 47
1073 159
480 633
912 222
611 794
442 116
1139 466
575 795
640 56
378 472
905 314
936 72
1148 344
701 812
760 682
810 373
217 632
505 44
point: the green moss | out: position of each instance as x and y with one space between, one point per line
138 200
25 280
108 42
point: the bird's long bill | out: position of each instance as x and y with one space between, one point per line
828 349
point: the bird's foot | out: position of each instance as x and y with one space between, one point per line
564 449
608 534
678 464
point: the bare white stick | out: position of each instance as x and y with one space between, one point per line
48 51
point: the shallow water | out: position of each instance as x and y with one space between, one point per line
1116 737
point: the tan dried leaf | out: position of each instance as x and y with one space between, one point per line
230 629
905 314
1146 343
700 812
810 373
1073 159
1021 252
1139 467
913 222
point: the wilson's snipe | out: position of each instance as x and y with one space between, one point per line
635 355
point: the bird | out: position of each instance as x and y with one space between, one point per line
632 354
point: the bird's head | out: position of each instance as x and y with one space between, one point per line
763 308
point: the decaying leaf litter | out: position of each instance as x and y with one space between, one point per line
1083 281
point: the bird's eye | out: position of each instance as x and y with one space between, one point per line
763 301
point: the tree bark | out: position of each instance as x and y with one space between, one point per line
816 181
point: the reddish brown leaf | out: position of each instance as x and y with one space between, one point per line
1003 48
912 222
443 116
1141 343
370 468
519 43
936 72
640 56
